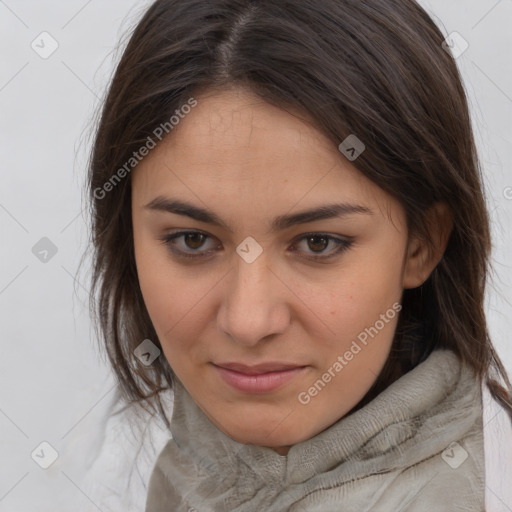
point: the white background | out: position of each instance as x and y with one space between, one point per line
53 378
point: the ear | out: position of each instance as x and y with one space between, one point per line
422 258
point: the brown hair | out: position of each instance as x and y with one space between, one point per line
376 69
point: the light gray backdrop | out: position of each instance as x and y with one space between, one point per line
52 378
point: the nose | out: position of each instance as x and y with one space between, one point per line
254 305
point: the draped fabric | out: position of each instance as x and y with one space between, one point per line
416 447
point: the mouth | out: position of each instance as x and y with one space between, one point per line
261 378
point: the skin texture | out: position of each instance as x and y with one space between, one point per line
249 162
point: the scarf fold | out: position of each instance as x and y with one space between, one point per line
416 447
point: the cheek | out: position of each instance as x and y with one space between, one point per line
376 278
170 292
364 328
363 305
174 307
370 289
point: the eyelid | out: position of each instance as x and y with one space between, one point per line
343 243
167 239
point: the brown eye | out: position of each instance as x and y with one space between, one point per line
194 240
318 243
190 246
192 243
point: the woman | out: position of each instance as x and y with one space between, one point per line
291 243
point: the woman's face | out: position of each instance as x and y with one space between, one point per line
306 304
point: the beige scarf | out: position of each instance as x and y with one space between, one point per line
417 447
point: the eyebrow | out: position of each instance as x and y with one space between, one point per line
281 222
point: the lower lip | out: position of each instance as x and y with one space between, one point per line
263 383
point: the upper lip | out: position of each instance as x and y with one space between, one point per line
259 368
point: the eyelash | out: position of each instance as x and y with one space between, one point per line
342 245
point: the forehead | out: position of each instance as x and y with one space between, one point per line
237 112
236 127
233 147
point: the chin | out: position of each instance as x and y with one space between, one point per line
272 434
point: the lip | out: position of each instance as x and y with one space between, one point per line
256 369
262 378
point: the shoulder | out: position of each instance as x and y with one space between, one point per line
498 454
122 448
